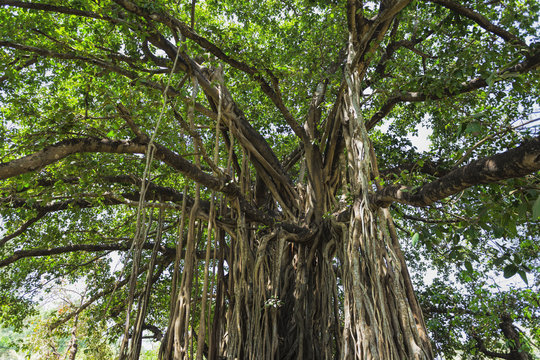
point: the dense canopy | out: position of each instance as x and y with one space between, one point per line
238 180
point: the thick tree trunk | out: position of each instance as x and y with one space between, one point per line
379 319
286 302
382 318
344 294
342 297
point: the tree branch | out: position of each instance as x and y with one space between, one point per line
516 162
59 9
530 63
23 228
62 149
482 348
21 254
58 151
480 20
177 25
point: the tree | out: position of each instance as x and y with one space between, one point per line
77 338
234 154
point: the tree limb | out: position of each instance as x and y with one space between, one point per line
175 24
62 149
21 254
480 20
23 228
516 162
530 63
482 348
59 9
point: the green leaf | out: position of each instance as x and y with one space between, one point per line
536 209
498 231
469 267
491 79
474 128
510 270
523 275
415 239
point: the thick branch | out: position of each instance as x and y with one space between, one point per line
68 147
58 9
23 228
188 32
366 34
60 150
480 20
21 254
530 63
513 163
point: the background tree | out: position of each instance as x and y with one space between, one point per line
223 175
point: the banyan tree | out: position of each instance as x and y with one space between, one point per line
223 175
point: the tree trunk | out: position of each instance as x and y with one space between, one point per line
382 317
343 294
512 335
288 300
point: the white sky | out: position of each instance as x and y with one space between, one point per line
421 141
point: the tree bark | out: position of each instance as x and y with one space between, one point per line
379 317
